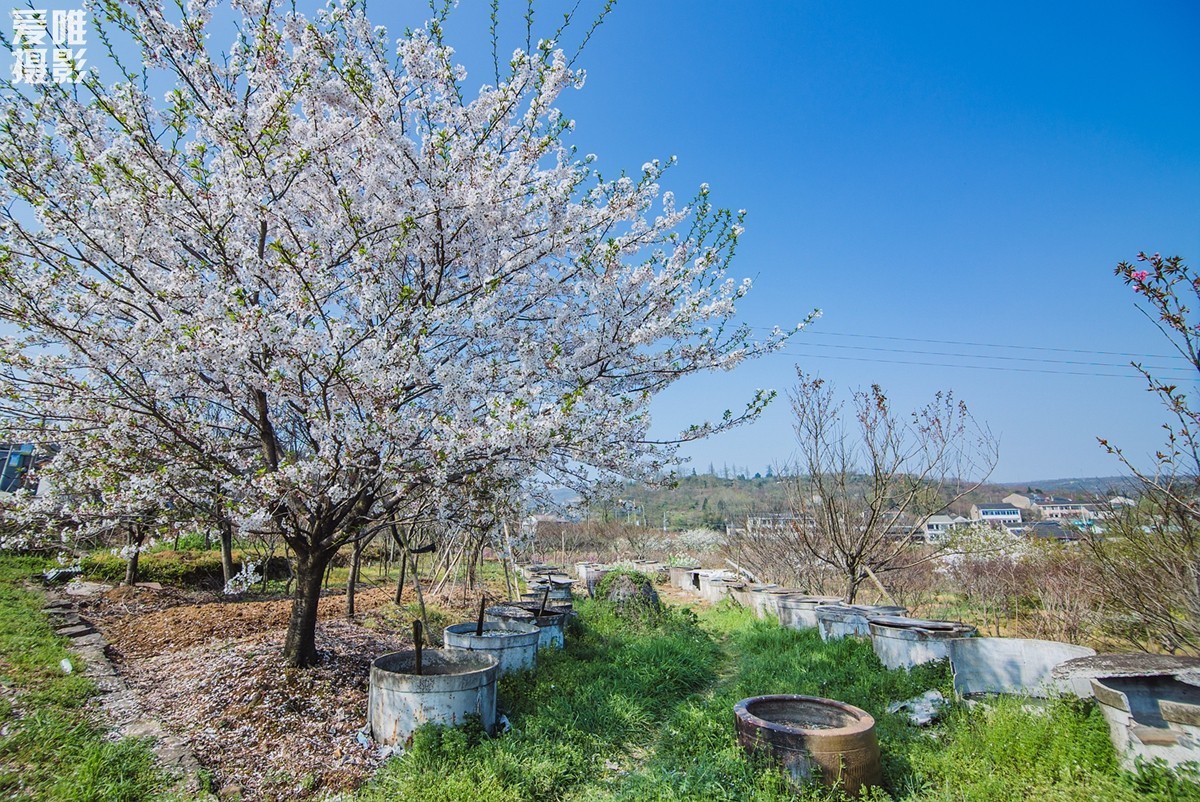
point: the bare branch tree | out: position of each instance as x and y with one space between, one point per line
866 487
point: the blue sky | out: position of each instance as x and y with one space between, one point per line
934 171
929 173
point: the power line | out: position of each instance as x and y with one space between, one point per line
808 332
1002 368
1039 360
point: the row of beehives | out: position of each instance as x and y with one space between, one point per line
1151 702
553 578
446 686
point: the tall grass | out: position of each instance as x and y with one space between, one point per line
51 746
578 720
641 711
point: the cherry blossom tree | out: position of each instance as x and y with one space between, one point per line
322 283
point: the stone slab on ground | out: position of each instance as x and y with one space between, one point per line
1137 664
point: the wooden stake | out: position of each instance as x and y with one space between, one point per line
479 623
545 598
417 638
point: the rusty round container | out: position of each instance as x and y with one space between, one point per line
812 739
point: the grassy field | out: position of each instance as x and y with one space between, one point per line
642 711
50 746
633 710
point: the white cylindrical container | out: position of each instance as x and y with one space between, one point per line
906 642
453 684
850 620
799 612
514 644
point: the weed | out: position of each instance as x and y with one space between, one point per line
53 749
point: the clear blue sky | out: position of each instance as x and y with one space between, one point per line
950 172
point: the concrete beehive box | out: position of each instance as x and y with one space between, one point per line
514 644
906 642
850 620
452 686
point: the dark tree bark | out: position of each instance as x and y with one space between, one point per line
352 581
134 540
227 549
300 647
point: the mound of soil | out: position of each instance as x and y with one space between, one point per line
146 631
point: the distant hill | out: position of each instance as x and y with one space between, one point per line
1101 486
710 501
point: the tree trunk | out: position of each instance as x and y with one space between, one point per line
403 544
300 645
852 582
403 570
227 551
508 557
416 578
352 582
134 540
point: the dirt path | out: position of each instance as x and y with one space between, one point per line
211 671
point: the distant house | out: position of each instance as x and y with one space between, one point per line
1060 509
774 525
1019 500
902 527
937 527
1054 508
1053 530
18 461
1105 510
997 514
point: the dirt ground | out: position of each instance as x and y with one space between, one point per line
211 670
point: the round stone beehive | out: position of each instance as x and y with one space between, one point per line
453 685
812 739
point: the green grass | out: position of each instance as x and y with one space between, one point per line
641 711
183 568
52 748
581 716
